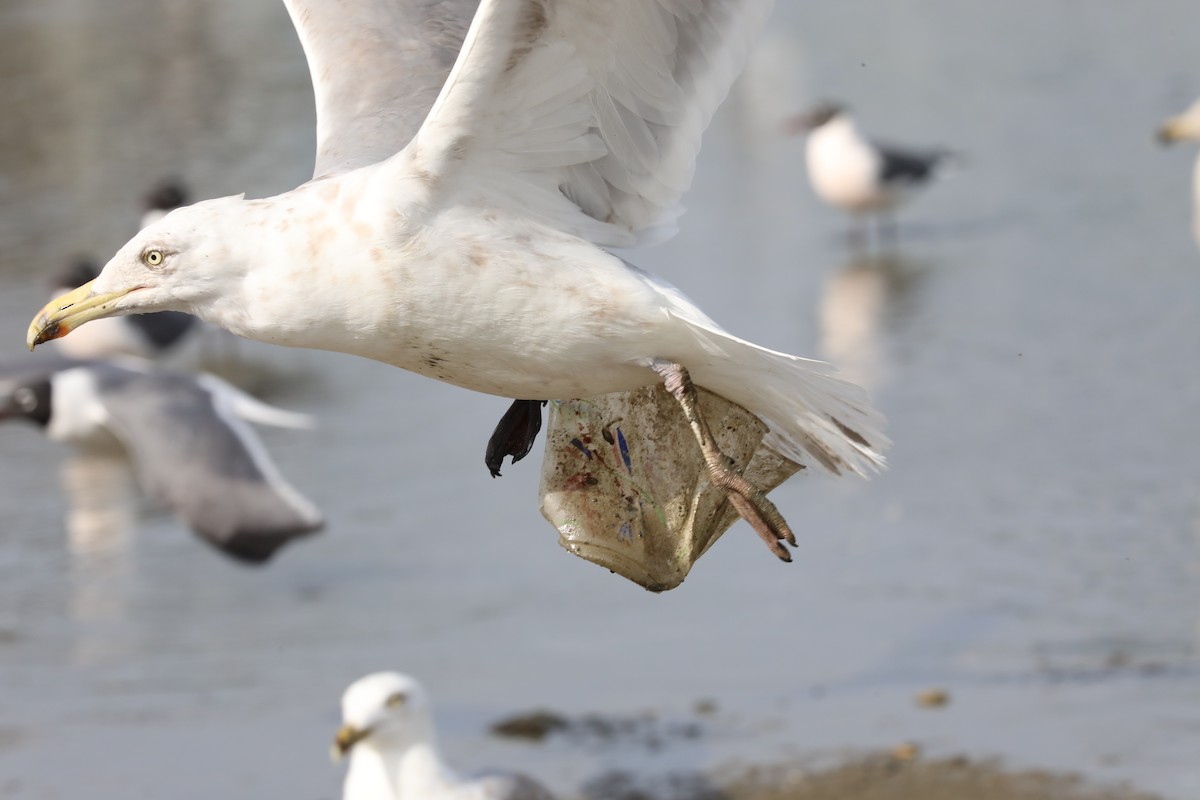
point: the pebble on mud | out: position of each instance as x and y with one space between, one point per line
933 698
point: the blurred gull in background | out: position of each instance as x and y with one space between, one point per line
1186 127
851 172
163 198
476 253
388 732
186 436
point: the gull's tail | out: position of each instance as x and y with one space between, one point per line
812 414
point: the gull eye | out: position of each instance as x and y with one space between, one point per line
396 699
153 258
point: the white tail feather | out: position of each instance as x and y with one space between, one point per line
812 413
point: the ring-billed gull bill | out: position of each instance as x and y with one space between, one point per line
473 251
388 733
851 172
188 440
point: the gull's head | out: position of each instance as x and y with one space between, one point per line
1185 127
182 262
817 116
28 399
384 709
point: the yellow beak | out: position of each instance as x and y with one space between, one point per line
66 313
347 736
1179 128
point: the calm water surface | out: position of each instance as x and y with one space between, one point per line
1034 549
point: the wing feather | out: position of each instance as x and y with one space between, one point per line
376 69
590 111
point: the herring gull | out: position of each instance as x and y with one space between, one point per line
461 229
851 172
187 437
387 730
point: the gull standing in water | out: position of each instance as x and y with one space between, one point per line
849 171
387 731
1186 127
458 226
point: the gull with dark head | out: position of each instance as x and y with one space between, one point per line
387 732
186 436
851 172
459 220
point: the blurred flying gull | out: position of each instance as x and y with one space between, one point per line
457 226
1186 127
849 171
187 437
388 732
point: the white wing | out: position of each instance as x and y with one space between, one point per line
586 113
376 69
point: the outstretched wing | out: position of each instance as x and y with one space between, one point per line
376 69
194 454
586 113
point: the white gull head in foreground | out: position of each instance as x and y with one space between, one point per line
458 219
387 731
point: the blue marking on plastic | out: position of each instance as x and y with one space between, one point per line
582 448
624 451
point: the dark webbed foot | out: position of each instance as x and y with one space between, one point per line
514 435
750 502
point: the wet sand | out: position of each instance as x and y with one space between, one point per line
871 777
883 777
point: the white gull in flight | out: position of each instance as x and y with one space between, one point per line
458 226
387 731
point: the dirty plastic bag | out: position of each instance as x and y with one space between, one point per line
626 486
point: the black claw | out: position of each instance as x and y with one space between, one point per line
514 435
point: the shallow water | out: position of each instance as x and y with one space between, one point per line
1034 548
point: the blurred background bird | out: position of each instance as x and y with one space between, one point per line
862 177
187 438
1186 128
388 733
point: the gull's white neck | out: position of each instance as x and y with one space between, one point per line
398 773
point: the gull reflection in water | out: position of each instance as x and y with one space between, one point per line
860 302
101 519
